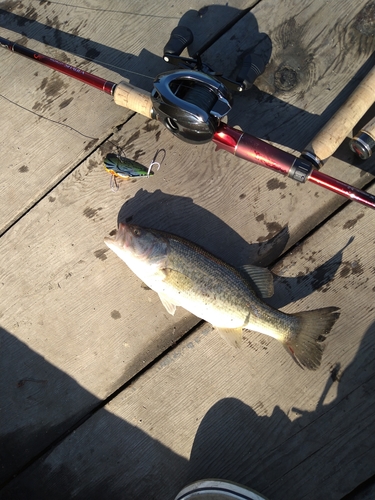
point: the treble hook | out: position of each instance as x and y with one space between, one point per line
154 162
113 184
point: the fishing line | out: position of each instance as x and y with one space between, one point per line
112 11
201 96
110 66
48 119
195 115
97 61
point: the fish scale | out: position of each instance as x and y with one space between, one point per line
220 288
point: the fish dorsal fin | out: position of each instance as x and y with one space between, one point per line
170 307
261 278
233 336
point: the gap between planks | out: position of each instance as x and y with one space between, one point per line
157 359
49 191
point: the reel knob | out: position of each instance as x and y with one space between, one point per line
181 37
190 104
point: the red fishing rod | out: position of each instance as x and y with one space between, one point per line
257 151
192 103
67 69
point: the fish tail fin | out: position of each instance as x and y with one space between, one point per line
305 344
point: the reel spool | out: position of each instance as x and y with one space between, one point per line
190 104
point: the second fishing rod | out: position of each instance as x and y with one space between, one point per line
193 100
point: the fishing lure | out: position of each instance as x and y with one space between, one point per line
122 167
125 168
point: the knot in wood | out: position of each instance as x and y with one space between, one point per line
285 78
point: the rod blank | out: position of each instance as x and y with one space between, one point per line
85 77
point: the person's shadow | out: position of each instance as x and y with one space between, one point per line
269 453
36 420
95 454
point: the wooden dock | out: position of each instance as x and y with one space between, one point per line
103 393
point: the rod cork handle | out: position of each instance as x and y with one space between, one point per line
326 142
133 98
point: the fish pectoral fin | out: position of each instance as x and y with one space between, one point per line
170 307
261 278
233 336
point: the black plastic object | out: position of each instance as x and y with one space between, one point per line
251 67
180 38
190 104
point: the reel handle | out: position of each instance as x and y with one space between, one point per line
180 38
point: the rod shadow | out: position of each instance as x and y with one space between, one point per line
267 115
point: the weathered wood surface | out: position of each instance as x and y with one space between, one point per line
76 323
38 276
250 416
51 122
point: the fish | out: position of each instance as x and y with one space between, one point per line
186 275
125 167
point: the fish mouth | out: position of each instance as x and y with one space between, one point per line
110 242
126 242
120 240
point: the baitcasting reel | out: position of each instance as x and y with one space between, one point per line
190 104
192 101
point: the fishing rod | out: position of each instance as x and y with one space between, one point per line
192 101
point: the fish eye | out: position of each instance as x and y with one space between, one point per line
136 232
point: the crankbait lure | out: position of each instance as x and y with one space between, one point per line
125 168
122 167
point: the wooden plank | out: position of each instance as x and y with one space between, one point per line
77 306
250 416
64 327
309 42
66 119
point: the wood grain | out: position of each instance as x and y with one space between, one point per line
250 416
66 119
76 325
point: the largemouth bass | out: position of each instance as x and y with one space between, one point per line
183 274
